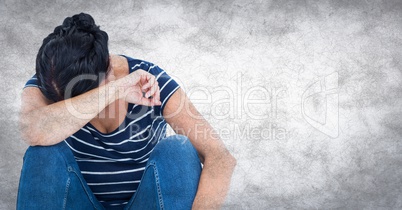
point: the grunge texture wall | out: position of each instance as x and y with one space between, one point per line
305 94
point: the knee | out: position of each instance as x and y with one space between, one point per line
176 148
46 170
41 154
176 145
40 151
175 157
44 158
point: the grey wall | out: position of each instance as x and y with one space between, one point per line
306 94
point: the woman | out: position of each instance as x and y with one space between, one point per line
96 124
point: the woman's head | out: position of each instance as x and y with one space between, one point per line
75 51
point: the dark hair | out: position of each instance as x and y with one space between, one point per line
75 48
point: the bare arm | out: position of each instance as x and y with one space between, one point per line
46 123
218 162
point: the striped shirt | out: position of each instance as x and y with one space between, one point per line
113 163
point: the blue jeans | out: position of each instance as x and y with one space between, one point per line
50 179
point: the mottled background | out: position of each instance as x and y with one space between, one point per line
306 94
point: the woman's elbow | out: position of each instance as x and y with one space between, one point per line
30 139
28 134
226 159
231 161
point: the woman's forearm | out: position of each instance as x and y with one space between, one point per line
53 123
50 124
219 164
214 182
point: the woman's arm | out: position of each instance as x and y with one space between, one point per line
219 164
45 123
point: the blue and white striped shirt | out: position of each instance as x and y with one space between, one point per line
113 163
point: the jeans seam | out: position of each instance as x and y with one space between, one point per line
66 193
158 187
71 169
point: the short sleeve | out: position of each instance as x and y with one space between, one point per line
167 84
32 82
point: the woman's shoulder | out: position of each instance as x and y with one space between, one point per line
135 63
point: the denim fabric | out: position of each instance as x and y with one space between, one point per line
51 179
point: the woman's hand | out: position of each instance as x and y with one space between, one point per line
139 87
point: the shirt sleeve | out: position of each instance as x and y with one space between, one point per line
32 82
167 85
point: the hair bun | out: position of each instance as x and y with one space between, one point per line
68 23
80 21
84 22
